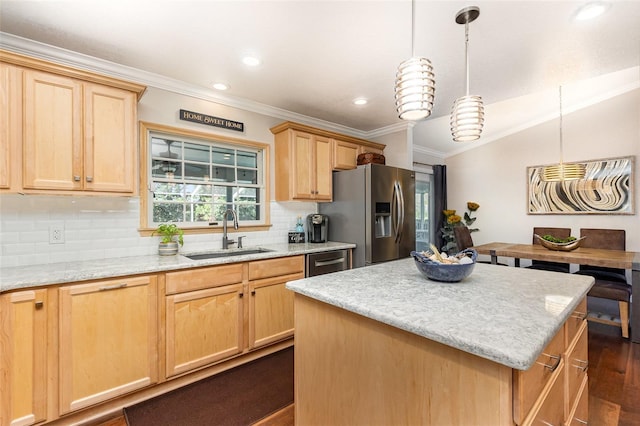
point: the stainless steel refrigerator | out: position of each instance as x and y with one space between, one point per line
373 207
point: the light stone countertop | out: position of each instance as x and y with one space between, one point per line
73 271
504 314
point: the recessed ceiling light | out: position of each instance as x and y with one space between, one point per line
360 101
251 61
220 86
591 10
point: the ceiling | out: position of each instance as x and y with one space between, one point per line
319 55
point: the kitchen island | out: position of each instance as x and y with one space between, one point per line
384 345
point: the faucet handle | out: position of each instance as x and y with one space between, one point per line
240 240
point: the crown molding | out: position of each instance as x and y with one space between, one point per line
16 44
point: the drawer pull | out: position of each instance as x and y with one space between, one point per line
580 315
552 367
329 262
582 365
584 422
113 287
89 178
39 304
76 178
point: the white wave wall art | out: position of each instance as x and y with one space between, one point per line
607 188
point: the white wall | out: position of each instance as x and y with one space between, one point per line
494 174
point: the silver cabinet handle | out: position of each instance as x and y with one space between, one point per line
584 422
580 315
76 178
113 287
582 365
89 178
552 367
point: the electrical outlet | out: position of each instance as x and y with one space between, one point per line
56 234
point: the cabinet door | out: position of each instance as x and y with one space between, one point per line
270 311
10 125
23 357
52 145
108 340
581 414
109 139
203 327
577 364
323 189
551 411
345 155
303 180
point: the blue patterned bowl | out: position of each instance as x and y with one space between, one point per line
450 273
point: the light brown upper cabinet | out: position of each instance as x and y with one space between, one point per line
76 130
306 157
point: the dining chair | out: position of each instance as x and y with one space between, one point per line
464 240
611 283
543 264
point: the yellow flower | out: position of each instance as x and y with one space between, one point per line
453 219
473 206
448 213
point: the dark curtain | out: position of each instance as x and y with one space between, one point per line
440 201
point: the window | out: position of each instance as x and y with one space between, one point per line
424 198
192 180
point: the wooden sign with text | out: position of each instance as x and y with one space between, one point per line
209 120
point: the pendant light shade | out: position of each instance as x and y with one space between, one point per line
467 113
415 89
561 171
415 83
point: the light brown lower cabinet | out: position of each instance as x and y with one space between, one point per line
270 303
75 352
23 357
203 327
108 334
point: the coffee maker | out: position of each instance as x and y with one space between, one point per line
317 228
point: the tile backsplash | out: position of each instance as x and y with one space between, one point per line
105 227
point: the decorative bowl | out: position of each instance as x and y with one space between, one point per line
450 273
571 245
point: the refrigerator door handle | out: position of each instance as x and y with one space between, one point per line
397 208
401 210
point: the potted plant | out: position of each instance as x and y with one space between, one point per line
171 237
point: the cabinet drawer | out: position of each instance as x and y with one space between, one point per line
551 410
577 363
276 267
575 321
528 385
197 279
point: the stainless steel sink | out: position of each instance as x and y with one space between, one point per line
217 254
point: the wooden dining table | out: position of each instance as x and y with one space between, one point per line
621 259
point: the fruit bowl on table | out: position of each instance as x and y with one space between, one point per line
445 272
560 245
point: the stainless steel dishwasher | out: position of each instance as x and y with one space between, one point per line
327 262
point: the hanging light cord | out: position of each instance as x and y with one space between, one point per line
466 53
413 26
561 147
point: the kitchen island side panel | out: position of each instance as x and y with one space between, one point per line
352 370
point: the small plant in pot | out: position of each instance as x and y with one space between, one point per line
171 237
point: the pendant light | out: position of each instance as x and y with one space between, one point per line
467 114
561 171
415 83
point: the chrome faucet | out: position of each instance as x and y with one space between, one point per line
226 242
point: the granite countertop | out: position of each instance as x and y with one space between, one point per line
504 314
59 273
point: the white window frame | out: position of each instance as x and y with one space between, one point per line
149 131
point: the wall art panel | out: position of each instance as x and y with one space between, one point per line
607 188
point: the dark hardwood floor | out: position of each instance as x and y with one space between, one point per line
614 378
614 382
